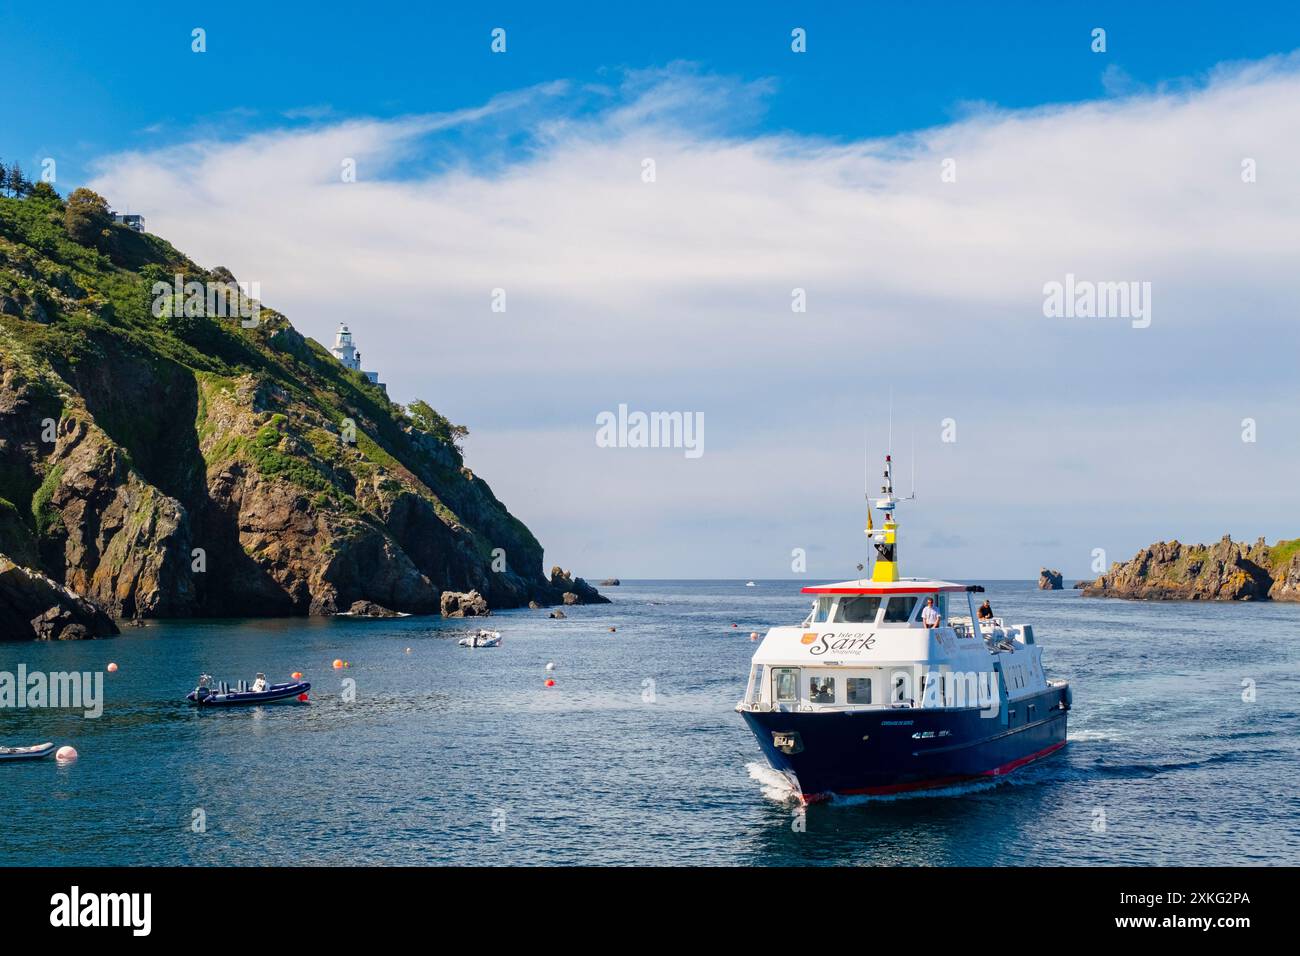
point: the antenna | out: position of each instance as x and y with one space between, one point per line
912 496
890 449
866 493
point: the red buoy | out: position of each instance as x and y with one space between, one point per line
550 682
302 698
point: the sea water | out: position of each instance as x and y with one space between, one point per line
1182 749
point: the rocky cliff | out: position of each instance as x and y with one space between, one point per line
36 608
1227 571
184 464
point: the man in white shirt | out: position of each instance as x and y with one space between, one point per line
929 616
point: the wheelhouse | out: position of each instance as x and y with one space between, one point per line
866 644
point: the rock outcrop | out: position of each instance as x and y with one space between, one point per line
34 607
1226 571
370 609
177 465
1049 580
574 590
463 605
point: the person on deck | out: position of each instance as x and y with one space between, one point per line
929 616
986 611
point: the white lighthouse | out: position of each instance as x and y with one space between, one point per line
346 352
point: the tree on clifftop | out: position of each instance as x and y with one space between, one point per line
424 417
43 190
13 180
86 216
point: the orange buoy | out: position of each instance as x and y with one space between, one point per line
296 675
753 635
338 664
112 668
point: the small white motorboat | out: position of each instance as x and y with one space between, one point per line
750 584
481 638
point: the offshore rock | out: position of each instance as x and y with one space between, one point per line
1226 571
463 605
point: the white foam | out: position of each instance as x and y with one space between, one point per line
1094 735
774 783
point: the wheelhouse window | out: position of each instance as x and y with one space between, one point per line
821 690
857 610
899 609
857 690
821 610
785 685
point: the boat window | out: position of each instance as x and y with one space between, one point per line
899 609
785 685
821 690
857 610
858 690
821 610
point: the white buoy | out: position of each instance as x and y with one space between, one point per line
550 665
65 754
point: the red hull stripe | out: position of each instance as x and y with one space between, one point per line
866 590
939 781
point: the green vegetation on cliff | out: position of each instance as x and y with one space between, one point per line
301 484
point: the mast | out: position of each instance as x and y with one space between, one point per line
866 493
886 540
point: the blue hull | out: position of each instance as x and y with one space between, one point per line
897 750
275 694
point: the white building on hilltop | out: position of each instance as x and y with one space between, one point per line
346 352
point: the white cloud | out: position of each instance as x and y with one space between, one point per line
676 295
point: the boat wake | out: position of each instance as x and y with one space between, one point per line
1090 735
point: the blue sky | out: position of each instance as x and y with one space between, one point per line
101 80
776 171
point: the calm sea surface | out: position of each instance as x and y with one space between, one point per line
451 755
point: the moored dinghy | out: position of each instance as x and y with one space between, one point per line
34 752
481 638
220 694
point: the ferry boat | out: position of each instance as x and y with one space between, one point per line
894 684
